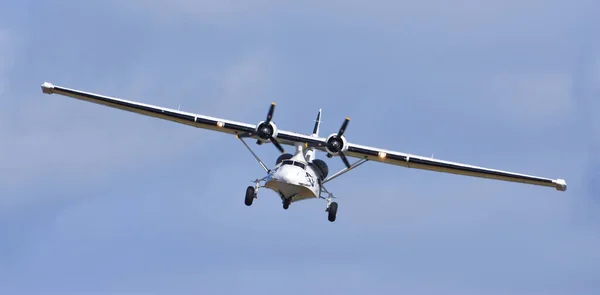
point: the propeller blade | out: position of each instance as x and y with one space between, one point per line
343 128
277 145
270 113
344 159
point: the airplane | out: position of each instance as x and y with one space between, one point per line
300 175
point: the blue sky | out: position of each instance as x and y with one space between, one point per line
99 201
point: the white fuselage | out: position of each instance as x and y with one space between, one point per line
294 179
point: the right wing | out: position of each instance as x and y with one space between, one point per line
431 164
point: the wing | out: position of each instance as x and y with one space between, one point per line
195 120
425 163
152 111
342 148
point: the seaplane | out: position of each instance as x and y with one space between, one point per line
300 175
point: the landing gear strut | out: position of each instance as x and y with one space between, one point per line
252 192
331 206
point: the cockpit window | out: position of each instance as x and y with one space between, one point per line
290 162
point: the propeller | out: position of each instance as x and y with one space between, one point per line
266 130
336 142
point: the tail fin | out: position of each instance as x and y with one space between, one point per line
310 152
317 124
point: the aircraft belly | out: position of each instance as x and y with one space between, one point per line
298 192
292 181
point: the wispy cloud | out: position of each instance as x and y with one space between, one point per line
6 54
588 101
94 197
452 42
57 132
110 139
529 98
592 94
244 78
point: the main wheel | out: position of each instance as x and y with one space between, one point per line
286 203
249 196
332 211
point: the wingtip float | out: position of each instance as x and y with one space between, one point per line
47 88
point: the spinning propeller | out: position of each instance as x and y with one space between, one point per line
266 131
336 144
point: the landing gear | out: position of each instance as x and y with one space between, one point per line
331 205
332 211
286 203
250 195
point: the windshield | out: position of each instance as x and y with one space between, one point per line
290 162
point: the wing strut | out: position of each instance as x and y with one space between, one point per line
255 156
343 171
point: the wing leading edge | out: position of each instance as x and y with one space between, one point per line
290 138
152 111
413 161
195 120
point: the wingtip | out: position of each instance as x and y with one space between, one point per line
561 185
47 87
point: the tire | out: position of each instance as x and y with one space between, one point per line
332 212
249 196
286 204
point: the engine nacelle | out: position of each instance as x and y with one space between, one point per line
335 144
283 157
265 130
321 168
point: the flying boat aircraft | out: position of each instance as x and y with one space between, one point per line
300 175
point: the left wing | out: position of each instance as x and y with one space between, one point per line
195 120
335 144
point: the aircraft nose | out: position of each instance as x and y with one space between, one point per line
290 176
